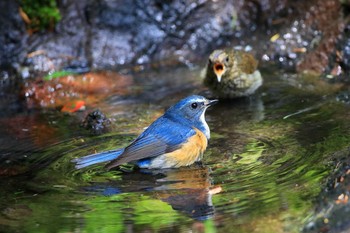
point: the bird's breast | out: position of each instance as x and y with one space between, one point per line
189 152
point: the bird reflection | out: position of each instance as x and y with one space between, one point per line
187 189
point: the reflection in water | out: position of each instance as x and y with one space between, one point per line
251 107
186 189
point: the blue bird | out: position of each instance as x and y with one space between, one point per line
177 138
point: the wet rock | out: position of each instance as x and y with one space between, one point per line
77 66
343 49
319 15
106 34
345 62
90 87
97 122
309 41
50 51
12 34
9 86
333 205
287 46
344 97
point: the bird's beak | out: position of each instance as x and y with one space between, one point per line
219 70
211 102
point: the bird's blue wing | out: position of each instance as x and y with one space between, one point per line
163 136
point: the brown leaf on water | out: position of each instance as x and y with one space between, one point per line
74 106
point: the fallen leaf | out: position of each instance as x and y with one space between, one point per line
74 106
275 37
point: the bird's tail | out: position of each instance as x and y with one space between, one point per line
97 158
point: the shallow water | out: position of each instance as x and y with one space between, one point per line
262 171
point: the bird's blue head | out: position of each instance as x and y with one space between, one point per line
190 111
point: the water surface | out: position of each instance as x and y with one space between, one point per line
262 172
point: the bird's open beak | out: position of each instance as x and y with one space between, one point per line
219 70
211 102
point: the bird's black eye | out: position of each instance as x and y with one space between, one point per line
227 59
194 105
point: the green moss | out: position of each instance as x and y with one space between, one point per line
57 74
253 152
43 14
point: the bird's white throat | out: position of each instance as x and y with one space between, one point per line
205 125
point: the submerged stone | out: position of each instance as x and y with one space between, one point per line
97 122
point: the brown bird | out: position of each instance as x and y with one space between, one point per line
232 74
